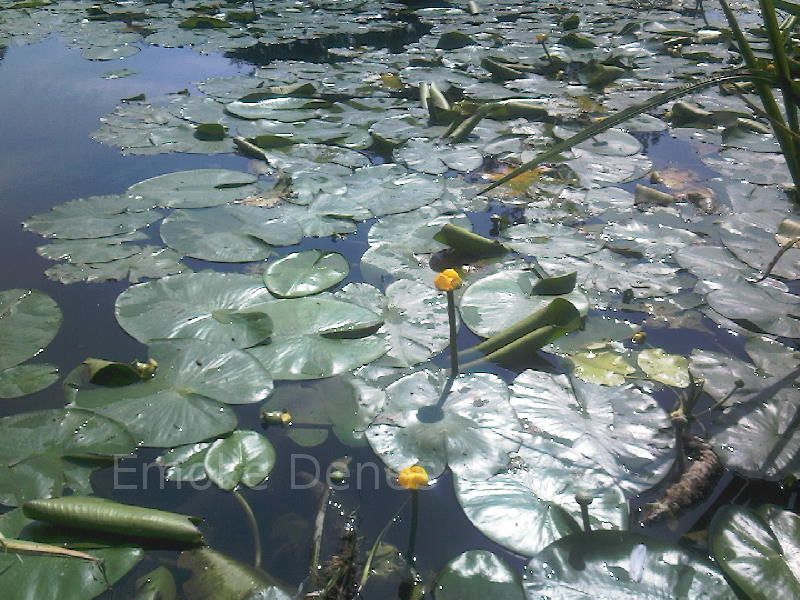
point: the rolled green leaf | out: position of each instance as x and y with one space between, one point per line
559 313
555 286
106 516
527 345
469 243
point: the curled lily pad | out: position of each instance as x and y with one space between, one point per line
533 503
466 424
181 404
621 429
35 451
478 574
305 273
756 549
414 318
224 308
611 564
244 457
493 303
195 189
25 576
318 337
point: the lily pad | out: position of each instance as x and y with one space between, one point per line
414 316
757 548
26 379
533 503
609 564
429 157
29 320
318 337
670 369
495 302
305 273
759 308
603 368
466 424
244 457
476 575
36 450
149 262
224 308
181 404
195 189
621 429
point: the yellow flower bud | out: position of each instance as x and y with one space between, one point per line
413 478
448 280
542 38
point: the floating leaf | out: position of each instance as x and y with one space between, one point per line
224 308
244 457
181 403
36 449
26 379
478 574
611 564
495 302
195 189
29 320
318 337
466 424
414 318
621 429
604 368
533 503
757 548
305 273
670 369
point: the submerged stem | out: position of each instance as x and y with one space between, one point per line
251 519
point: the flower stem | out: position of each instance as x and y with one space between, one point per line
451 315
412 538
251 519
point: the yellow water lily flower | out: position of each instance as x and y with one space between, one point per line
413 478
448 280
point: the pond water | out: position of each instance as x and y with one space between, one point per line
591 411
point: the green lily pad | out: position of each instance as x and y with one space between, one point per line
224 308
92 251
185 463
278 109
415 230
415 321
318 337
149 262
26 379
31 576
757 549
603 368
305 273
181 404
195 189
610 564
29 320
670 369
158 584
495 302
621 429
244 457
430 157
35 451
533 503
472 430
478 574
94 217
